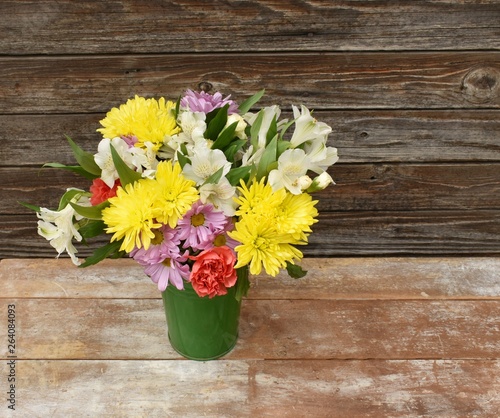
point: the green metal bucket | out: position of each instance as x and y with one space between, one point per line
201 328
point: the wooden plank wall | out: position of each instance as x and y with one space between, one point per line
411 88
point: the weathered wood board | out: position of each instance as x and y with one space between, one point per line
399 337
248 388
373 278
411 90
66 27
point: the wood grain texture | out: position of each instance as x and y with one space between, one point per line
427 80
359 187
66 27
411 89
360 337
336 233
406 233
270 328
401 278
245 388
93 329
360 136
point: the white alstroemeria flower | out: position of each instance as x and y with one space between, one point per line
321 156
144 159
250 157
193 127
293 164
104 159
269 114
192 136
240 127
220 196
58 228
307 128
204 163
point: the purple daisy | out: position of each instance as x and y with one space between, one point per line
169 270
163 261
164 244
224 239
205 102
200 225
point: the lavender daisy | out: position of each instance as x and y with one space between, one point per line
163 260
223 239
200 225
164 244
169 270
205 102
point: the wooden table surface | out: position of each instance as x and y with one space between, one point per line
376 337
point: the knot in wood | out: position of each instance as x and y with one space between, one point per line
205 86
481 85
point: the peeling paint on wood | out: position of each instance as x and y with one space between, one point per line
229 388
358 337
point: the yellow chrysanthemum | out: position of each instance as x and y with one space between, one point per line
295 216
146 119
258 199
131 215
261 246
175 193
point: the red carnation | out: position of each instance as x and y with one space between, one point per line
213 271
101 191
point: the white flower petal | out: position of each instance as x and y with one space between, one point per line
204 163
104 159
307 128
220 195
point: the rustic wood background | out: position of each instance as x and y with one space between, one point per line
411 89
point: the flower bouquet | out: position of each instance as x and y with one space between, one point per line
199 192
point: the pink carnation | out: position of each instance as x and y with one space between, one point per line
213 271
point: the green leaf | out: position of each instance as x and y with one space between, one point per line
236 174
92 228
184 149
268 158
295 271
182 156
242 283
29 206
183 160
177 107
235 146
216 125
285 127
74 168
110 250
126 174
85 159
248 103
66 197
90 212
273 129
254 130
215 178
282 147
225 137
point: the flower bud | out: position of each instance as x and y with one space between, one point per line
240 128
320 182
304 182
